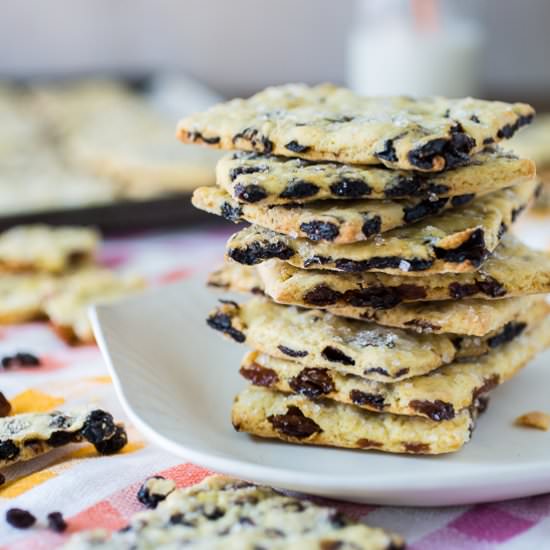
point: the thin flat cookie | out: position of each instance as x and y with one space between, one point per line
439 395
467 317
458 241
297 419
512 270
25 436
251 178
39 248
338 222
326 122
319 339
223 513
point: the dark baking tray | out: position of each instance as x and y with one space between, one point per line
159 213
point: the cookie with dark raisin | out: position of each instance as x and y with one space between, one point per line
327 341
279 180
337 222
297 419
24 436
221 512
456 386
456 241
326 122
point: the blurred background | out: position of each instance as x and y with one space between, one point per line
111 142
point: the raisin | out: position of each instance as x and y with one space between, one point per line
436 410
350 188
381 262
179 519
405 186
491 287
388 153
291 352
371 226
266 144
113 444
458 291
488 140
234 173
21 519
222 322
411 292
475 118
508 130
454 150
60 438
296 147
416 448
257 252
472 250
332 544
299 189
5 406
21 359
517 211
316 260
321 295
488 384
150 495
259 376
461 200
378 297
231 213
312 382
336 356
56 522
250 193
364 443
98 427
8 450
422 209
294 423
377 370
510 331
197 136
373 400
401 372
320 231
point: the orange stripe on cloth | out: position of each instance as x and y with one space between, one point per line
34 401
19 486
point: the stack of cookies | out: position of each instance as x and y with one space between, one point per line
391 296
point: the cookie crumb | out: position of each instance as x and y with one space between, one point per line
154 490
56 522
20 519
534 419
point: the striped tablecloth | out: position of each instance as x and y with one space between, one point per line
93 491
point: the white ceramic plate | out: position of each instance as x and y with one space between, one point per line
176 378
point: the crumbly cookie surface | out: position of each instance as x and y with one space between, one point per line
24 436
326 122
513 269
39 248
457 241
438 395
252 178
317 338
297 419
222 513
469 316
337 222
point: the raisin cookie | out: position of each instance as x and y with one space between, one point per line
67 309
338 222
327 122
298 419
252 178
513 269
25 436
437 396
224 513
471 317
319 339
460 240
39 248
